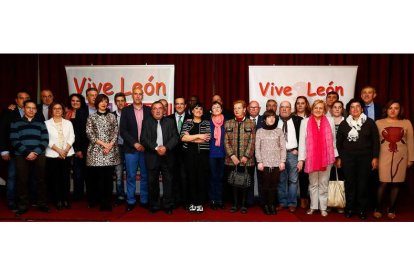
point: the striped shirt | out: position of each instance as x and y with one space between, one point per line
204 129
27 137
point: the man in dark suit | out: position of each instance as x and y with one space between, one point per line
159 137
46 96
6 149
180 188
288 184
373 111
131 127
253 110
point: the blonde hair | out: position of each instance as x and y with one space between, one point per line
316 102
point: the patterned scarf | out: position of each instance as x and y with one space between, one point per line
355 125
319 145
218 122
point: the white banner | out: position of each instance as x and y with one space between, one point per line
156 81
288 82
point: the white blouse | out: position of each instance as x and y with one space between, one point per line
56 139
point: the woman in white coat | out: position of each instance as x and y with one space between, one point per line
58 155
317 146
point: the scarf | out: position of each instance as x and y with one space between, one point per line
285 127
319 145
267 127
353 134
218 122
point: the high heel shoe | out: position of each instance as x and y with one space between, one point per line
66 205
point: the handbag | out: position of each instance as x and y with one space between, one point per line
239 179
336 193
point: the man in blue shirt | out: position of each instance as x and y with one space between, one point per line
29 138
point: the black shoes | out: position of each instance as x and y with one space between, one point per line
363 215
348 214
168 211
266 209
130 207
21 212
59 205
272 210
243 210
44 209
66 205
233 209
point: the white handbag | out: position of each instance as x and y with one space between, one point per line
336 193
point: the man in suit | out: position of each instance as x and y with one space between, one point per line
46 96
180 188
159 137
6 149
373 111
191 103
131 127
289 178
254 115
120 102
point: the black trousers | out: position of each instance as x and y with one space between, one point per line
357 169
179 180
270 182
103 185
23 168
197 165
58 173
154 198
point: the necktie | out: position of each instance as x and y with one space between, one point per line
180 123
366 110
254 121
285 127
159 134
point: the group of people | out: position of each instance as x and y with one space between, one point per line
292 155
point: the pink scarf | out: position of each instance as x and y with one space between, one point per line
218 122
319 145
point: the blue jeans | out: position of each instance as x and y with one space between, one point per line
288 185
11 182
215 191
132 161
119 172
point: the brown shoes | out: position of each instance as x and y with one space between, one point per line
304 203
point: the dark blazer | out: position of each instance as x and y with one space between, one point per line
128 127
79 127
179 146
8 117
39 113
377 111
149 140
296 122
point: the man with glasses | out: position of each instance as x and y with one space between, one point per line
29 138
180 188
288 185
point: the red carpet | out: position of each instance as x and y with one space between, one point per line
80 213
